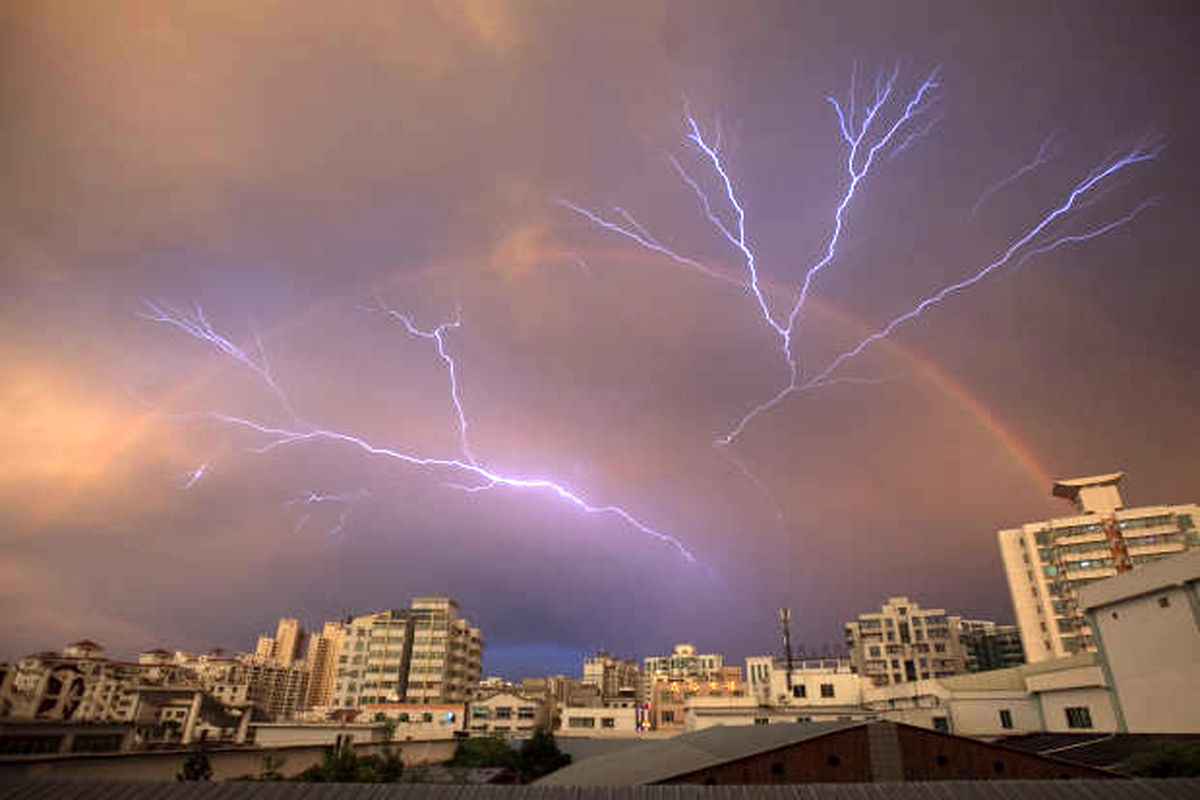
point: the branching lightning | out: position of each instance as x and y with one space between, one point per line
866 137
1135 156
348 501
1043 156
276 437
865 140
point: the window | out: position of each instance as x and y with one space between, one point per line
586 722
799 691
1079 717
761 721
503 712
1164 602
668 716
608 722
826 690
1006 719
941 724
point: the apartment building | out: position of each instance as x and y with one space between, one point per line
990 646
447 655
324 648
284 648
685 664
903 642
425 654
614 677
1048 562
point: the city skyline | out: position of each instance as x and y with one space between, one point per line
314 340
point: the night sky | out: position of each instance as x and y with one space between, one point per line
286 166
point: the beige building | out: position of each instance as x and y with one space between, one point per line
903 642
423 654
508 714
324 649
447 656
617 721
815 682
1048 562
685 664
283 649
1146 627
614 677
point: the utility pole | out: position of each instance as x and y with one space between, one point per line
785 621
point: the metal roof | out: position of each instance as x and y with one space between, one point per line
656 761
1183 788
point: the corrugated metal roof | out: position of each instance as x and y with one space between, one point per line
1182 788
656 761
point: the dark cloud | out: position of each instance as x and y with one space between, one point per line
282 168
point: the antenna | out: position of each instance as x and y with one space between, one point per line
785 622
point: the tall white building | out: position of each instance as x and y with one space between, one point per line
903 642
1047 562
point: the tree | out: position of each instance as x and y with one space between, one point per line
540 756
344 766
1171 760
490 751
195 768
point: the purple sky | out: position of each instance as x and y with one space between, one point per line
281 166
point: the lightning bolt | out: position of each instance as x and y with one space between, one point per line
865 140
866 137
436 335
347 500
195 475
1042 157
193 322
1137 155
276 437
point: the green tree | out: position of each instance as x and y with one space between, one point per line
1171 760
344 766
490 751
540 756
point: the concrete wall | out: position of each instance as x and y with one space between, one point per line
979 715
227 764
1153 655
1098 702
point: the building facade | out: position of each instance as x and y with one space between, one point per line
1048 562
508 714
992 646
614 677
426 654
903 642
1146 625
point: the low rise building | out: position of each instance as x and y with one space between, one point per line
508 714
1146 627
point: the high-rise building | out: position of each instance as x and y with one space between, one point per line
685 664
614 677
992 646
282 649
447 654
904 642
1047 562
423 654
324 648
